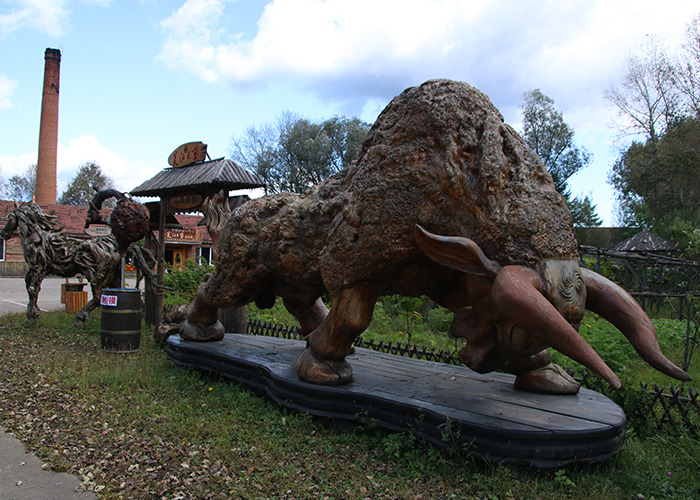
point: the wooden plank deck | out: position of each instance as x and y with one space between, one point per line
449 406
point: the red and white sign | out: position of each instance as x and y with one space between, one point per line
108 300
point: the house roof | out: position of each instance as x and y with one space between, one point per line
216 174
644 241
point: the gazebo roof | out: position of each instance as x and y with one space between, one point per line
645 241
212 175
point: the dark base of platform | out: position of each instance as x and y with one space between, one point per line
449 406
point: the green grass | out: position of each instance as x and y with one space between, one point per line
135 426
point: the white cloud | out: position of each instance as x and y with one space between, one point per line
7 91
372 49
45 16
358 55
126 174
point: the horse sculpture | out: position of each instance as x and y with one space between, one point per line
47 251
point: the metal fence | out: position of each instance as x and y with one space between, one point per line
667 408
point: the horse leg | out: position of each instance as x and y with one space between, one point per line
83 315
33 283
323 361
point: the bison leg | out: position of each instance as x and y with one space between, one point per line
309 317
537 373
323 362
202 323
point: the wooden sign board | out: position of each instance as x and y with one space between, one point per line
98 230
181 235
187 154
186 199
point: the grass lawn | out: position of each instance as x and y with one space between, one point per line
136 427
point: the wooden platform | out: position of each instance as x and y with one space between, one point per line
449 406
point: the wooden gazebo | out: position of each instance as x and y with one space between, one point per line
182 190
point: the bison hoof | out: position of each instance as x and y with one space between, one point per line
163 331
316 371
197 333
550 379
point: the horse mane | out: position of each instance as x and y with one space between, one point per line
33 214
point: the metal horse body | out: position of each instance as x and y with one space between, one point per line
48 252
444 200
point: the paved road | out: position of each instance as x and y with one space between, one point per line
13 295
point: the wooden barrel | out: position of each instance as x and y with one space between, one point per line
121 319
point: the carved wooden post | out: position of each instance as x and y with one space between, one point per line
161 258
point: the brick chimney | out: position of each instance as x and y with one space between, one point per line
48 130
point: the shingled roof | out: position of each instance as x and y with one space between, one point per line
645 241
216 174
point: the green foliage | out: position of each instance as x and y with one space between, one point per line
183 282
21 187
608 269
584 212
297 153
546 132
657 183
87 181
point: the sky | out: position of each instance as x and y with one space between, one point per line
141 77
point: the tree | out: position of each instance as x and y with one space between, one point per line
686 70
584 212
297 153
658 103
256 151
85 184
646 100
21 187
658 184
545 131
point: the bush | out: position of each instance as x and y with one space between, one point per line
183 282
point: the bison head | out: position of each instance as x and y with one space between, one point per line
516 311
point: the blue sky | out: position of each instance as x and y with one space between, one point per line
139 78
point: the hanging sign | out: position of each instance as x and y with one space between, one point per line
180 235
186 199
187 154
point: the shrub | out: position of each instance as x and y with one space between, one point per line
183 282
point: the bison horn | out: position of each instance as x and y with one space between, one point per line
456 252
613 303
518 294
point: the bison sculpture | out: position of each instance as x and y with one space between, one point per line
444 200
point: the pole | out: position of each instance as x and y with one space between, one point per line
161 260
